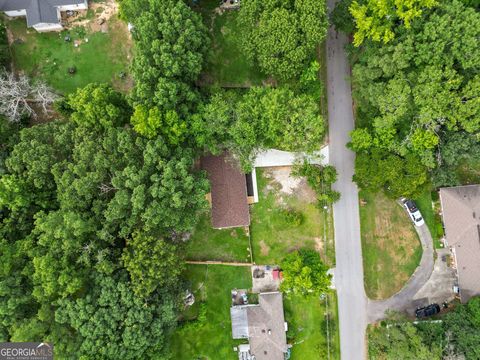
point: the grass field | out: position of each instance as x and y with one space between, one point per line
48 56
273 236
211 284
428 208
391 248
226 64
207 243
309 328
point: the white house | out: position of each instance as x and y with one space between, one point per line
42 15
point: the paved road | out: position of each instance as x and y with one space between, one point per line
403 300
352 302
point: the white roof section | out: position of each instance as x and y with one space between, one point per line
273 157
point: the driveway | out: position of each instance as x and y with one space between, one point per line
352 302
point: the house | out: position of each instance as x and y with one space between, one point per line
229 192
264 326
461 218
42 15
232 190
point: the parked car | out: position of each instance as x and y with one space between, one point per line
413 211
426 311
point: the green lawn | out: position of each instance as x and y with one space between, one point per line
48 56
226 64
428 208
207 243
308 327
211 284
391 248
273 237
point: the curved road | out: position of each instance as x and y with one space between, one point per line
352 302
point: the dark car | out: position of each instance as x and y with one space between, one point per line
426 311
410 205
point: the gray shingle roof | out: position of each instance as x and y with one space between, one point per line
38 11
461 217
264 325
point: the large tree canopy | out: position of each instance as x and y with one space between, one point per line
420 86
170 44
262 118
377 20
304 273
282 35
116 324
91 214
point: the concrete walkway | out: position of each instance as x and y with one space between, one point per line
403 301
352 302
273 157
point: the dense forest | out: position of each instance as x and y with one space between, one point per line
95 206
416 85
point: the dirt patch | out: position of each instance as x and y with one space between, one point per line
282 176
283 181
319 244
264 248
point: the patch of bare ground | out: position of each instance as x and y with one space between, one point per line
264 248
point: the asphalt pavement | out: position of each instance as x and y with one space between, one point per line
352 301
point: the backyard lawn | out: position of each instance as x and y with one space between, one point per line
273 236
211 284
309 328
207 243
391 248
226 64
48 56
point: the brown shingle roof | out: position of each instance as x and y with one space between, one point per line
229 192
461 217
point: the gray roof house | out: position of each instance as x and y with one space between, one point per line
264 326
42 15
461 218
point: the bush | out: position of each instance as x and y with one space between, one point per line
4 48
292 217
200 321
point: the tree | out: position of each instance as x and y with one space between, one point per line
275 118
342 18
420 86
170 42
399 176
18 94
113 323
152 263
376 19
281 36
463 327
304 273
320 179
401 340
4 48
151 122
98 104
211 124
